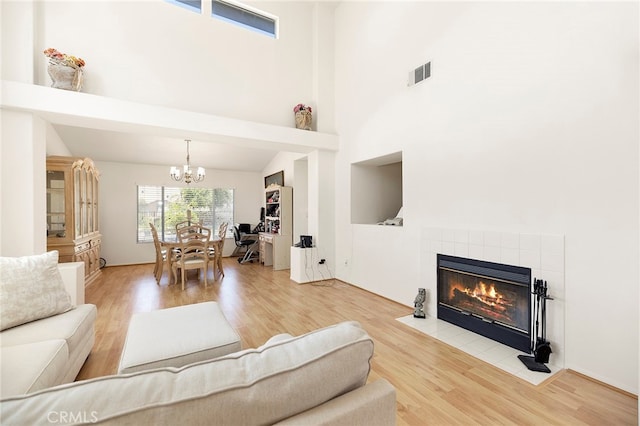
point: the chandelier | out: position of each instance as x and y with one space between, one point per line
186 173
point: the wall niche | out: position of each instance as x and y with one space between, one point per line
376 189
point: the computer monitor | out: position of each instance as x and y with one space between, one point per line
306 241
244 228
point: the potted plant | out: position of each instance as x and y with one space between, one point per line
65 70
303 116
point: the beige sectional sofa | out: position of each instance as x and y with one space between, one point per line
50 351
316 378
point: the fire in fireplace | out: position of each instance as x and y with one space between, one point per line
490 299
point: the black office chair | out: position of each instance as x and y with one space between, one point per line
248 246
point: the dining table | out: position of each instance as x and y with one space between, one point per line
214 242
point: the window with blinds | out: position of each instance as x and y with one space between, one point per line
164 207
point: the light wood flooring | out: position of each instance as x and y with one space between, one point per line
436 384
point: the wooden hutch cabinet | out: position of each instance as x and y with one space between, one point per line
72 212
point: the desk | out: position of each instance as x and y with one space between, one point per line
275 250
215 243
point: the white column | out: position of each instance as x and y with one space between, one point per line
321 201
22 184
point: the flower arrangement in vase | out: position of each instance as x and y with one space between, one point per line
65 70
303 116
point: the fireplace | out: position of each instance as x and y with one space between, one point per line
491 299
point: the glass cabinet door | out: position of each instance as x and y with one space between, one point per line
89 202
56 219
77 201
83 202
94 181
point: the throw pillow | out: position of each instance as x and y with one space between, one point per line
31 288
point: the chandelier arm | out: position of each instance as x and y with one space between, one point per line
188 164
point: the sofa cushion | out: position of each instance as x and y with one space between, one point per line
72 326
175 337
261 386
32 366
371 405
31 288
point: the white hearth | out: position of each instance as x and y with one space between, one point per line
490 351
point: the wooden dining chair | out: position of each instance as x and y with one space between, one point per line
193 243
186 223
215 253
161 254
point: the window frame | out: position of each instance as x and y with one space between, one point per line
161 197
187 6
237 6
234 7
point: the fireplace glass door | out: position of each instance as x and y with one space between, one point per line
488 298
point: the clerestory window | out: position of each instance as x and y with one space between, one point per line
193 5
245 16
235 13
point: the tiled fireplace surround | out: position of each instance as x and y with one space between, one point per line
544 254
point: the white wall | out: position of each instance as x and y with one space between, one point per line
118 205
23 224
17 31
55 145
157 53
528 125
283 161
323 67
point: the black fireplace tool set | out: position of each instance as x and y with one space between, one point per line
540 347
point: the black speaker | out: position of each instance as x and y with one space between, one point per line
261 214
305 241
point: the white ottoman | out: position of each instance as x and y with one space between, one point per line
176 337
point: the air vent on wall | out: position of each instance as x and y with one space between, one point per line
419 74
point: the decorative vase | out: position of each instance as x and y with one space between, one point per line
64 77
303 120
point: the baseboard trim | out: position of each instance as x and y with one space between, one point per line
607 385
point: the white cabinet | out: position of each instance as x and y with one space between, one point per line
305 265
278 210
275 242
274 250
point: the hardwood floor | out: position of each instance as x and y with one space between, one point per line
436 384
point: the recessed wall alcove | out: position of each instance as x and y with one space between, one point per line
376 189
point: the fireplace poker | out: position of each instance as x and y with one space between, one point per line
543 347
540 347
536 314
